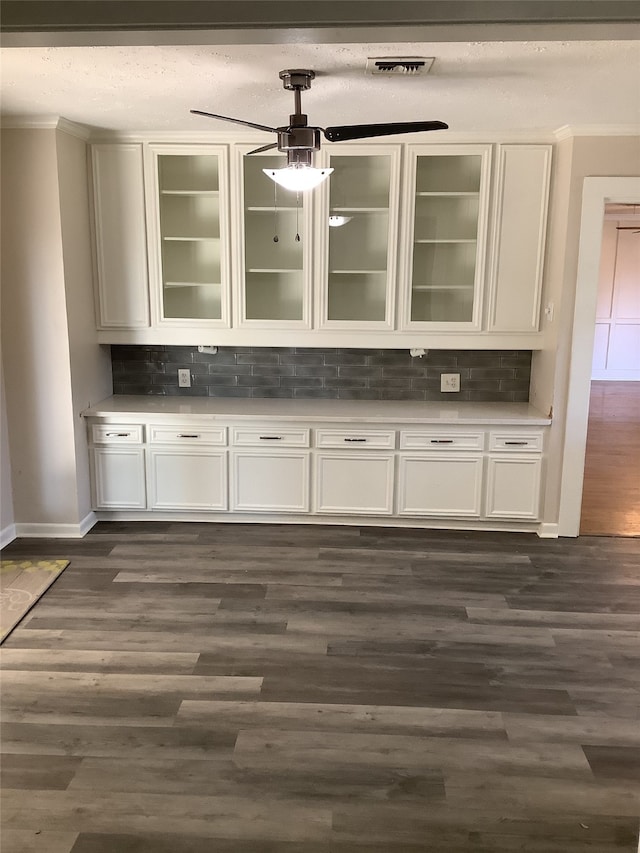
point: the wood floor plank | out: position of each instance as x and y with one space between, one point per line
263 688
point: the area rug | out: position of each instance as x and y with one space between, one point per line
22 582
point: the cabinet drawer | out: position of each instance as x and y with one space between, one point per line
425 440
356 439
514 441
187 435
116 433
270 436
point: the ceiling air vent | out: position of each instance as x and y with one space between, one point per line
391 65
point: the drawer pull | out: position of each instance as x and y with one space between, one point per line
188 435
518 443
270 438
118 434
441 441
355 439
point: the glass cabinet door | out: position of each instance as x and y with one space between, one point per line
448 194
357 237
273 254
191 230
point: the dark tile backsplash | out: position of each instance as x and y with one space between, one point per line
348 374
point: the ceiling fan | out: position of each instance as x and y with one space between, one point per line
299 141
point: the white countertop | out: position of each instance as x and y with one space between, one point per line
156 407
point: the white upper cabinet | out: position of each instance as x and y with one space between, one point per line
188 234
120 239
357 237
522 197
196 238
272 247
445 213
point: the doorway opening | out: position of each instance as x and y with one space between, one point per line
611 491
597 193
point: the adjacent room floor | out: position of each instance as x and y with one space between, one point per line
205 688
611 494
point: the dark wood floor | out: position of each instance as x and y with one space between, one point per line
269 689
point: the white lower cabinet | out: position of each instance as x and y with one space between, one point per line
440 485
354 483
513 487
275 481
187 479
118 477
477 473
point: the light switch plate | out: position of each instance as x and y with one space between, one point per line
449 382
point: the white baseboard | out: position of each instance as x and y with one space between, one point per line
7 535
56 531
548 531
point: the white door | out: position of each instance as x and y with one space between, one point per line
513 487
188 479
118 477
358 483
270 482
440 485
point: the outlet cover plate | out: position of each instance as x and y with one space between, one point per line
449 382
184 377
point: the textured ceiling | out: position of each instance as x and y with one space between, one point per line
474 87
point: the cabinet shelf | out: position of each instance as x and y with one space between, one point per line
273 270
425 287
191 192
192 239
359 210
358 272
473 194
452 241
279 209
170 284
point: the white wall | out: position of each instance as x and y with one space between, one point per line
91 379
50 364
576 159
7 527
616 353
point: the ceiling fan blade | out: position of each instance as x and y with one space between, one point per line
235 121
365 131
263 148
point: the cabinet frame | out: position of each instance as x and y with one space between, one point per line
154 234
322 233
413 153
284 199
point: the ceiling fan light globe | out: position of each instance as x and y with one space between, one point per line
298 178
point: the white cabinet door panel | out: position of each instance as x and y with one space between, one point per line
118 477
513 487
440 485
519 239
275 482
360 484
120 236
187 479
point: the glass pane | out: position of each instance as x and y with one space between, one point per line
358 248
445 238
190 235
274 279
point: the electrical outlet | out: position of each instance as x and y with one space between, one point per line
449 382
184 377
209 350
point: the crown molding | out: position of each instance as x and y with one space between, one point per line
568 131
46 123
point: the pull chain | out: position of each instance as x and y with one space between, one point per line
297 220
275 212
